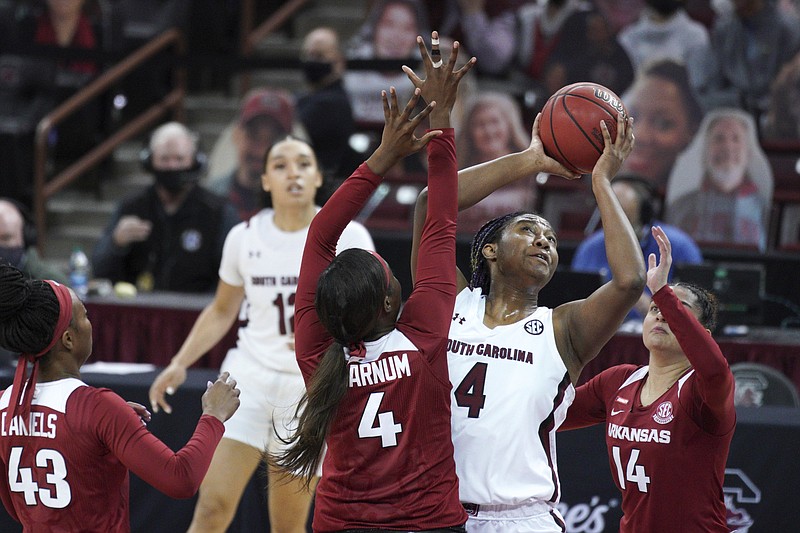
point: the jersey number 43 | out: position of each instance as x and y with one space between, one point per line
20 479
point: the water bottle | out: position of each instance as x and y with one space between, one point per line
79 272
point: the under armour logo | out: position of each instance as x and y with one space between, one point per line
459 320
254 253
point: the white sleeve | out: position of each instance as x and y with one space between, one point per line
229 271
355 235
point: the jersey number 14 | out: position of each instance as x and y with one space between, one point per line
634 473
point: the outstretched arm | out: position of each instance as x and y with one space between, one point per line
397 142
715 383
430 304
583 327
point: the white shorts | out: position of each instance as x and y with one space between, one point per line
268 402
535 517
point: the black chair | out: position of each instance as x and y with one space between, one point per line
759 385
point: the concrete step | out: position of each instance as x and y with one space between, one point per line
209 133
346 18
279 46
69 208
288 79
61 240
210 109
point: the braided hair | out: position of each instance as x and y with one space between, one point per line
490 232
28 312
707 302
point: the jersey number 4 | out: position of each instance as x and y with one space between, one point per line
634 473
376 424
21 479
469 392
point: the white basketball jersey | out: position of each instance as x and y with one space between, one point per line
266 261
511 391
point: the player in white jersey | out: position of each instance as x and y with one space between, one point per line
260 265
513 364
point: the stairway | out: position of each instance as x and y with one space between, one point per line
76 217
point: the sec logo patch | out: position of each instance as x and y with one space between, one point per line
663 414
534 327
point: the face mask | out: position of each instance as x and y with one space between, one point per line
665 7
175 180
316 71
13 255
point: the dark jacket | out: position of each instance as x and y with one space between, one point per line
183 250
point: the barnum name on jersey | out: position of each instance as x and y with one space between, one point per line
489 350
41 425
385 369
629 434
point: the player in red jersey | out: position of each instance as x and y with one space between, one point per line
66 448
668 424
378 389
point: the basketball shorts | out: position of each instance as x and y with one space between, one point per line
268 402
536 517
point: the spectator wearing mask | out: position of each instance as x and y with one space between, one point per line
324 110
18 243
168 237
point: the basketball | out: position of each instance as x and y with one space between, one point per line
570 124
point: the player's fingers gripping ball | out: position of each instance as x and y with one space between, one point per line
570 124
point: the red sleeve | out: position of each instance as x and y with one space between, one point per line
714 383
178 475
590 405
311 337
427 313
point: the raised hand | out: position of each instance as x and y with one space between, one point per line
614 153
398 139
658 274
441 81
544 162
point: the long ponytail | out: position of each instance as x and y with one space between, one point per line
349 297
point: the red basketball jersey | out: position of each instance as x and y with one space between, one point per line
668 458
390 456
389 462
66 467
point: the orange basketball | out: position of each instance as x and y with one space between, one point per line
570 124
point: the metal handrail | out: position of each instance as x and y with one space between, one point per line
251 37
44 189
